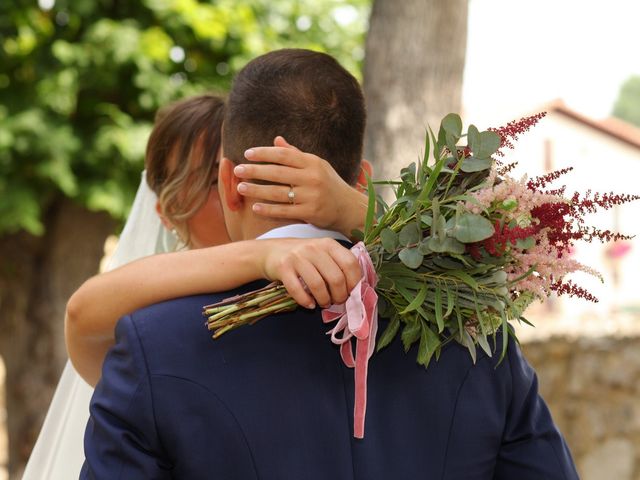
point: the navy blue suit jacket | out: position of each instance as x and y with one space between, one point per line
275 402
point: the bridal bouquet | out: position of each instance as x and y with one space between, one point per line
463 249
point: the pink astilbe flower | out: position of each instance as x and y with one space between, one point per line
549 268
521 210
509 188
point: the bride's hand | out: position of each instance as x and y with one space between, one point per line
329 270
322 198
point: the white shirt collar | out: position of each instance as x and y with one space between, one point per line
302 230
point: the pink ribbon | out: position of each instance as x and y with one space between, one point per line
357 317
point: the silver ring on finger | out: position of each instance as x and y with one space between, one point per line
291 195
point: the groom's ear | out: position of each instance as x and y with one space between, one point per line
229 183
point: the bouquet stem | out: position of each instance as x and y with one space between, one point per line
234 312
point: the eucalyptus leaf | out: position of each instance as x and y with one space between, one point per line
408 173
451 144
449 224
423 247
452 124
439 226
472 228
499 277
473 136
484 144
426 219
389 240
411 257
473 164
410 234
447 245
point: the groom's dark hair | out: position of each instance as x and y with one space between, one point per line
305 96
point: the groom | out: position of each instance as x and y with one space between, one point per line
274 401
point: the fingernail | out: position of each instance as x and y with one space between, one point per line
311 306
239 170
242 187
256 207
249 153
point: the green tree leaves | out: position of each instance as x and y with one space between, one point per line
627 106
80 84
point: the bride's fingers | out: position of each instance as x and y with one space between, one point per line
314 281
280 141
270 193
288 156
294 286
279 210
333 276
268 173
349 265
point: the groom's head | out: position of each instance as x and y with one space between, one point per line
305 96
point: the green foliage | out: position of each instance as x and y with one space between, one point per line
80 83
433 289
627 106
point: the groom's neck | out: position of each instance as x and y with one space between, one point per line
253 226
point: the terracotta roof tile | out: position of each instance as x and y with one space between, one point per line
614 127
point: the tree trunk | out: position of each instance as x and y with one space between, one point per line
37 276
414 61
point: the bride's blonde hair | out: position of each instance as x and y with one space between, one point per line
181 157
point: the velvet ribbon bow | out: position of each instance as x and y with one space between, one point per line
357 317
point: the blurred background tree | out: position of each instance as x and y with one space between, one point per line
627 106
415 55
80 81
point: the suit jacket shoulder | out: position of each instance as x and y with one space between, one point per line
275 401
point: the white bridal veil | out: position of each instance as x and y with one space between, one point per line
58 452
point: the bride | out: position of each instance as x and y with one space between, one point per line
177 208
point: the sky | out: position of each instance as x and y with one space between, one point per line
524 53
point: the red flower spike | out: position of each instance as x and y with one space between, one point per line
573 290
542 181
511 130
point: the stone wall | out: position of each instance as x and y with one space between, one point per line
592 386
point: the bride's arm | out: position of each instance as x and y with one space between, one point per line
329 270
